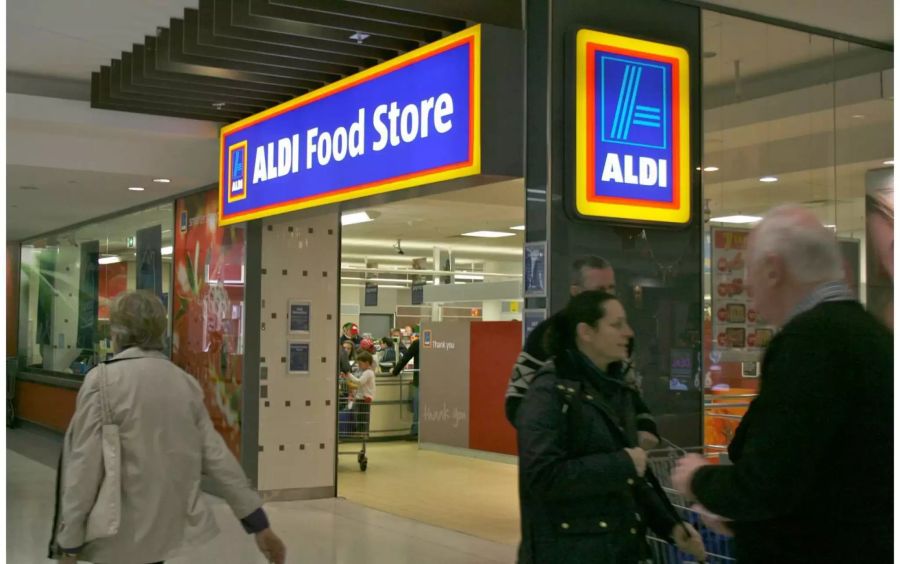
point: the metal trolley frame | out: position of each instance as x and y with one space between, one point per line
353 420
719 548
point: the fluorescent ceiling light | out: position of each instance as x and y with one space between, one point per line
165 251
769 179
162 180
488 234
354 218
136 188
518 228
109 260
468 277
711 169
737 219
890 162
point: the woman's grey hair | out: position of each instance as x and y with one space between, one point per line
810 251
138 319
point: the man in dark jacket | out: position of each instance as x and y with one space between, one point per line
812 478
588 273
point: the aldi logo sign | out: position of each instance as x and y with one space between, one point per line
633 123
237 172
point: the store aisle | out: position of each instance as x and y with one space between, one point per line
322 531
465 494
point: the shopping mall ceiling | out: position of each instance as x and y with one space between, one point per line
184 57
229 59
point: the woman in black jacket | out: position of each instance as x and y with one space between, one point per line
585 492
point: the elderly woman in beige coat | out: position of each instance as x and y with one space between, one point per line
167 443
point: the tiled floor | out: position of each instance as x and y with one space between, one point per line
323 531
474 496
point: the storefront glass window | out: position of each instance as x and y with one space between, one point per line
69 280
788 118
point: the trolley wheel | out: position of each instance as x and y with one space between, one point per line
363 463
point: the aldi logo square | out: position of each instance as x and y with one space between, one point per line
633 123
638 115
237 172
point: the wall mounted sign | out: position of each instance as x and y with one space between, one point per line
298 316
410 121
633 123
298 358
535 257
418 293
371 297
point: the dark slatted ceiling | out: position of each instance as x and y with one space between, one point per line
229 59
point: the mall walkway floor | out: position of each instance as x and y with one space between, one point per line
322 531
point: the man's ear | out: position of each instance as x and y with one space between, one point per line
776 270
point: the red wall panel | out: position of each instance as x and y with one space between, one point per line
493 351
49 406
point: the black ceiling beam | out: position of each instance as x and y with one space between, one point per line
505 13
340 42
164 88
100 99
240 60
144 73
279 15
155 62
338 20
166 56
122 87
318 50
378 14
206 37
115 93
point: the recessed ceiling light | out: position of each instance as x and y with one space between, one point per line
518 228
355 217
711 169
359 36
165 251
488 234
136 188
473 277
769 179
889 163
736 219
109 260
162 180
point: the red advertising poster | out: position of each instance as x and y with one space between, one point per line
735 324
208 308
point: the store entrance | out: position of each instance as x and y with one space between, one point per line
409 269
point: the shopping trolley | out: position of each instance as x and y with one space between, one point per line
353 423
719 548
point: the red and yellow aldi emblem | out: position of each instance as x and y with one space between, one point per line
633 125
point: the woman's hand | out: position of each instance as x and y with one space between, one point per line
688 540
639 458
271 546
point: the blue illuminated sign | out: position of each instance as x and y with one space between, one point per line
632 114
410 121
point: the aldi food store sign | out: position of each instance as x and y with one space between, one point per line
633 123
410 121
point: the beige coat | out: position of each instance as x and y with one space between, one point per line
168 442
